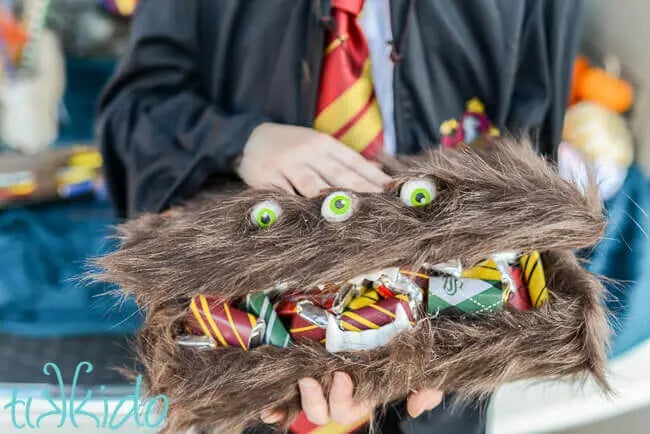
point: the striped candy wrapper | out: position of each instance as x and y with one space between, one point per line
448 294
227 326
375 315
493 272
322 296
275 333
534 278
366 297
518 294
302 328
420 278
486 270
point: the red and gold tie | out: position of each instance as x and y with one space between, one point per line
347 108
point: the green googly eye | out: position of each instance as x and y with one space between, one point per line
418 192
337 207
265 214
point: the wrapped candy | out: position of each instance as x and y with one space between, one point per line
308 322
303 329
312 313
225 325
322 296
534 278
375 315
345 295
398 283
451 268
486 270
504 267
275 333
447 293
198 342
367 296
420 278
517 294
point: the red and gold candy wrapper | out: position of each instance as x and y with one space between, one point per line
225 325
322 296
534 278
304 329
518 293
375 315
420 278
306 321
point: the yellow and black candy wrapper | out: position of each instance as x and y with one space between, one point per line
224 324
534 278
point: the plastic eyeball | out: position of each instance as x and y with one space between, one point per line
337 207
264 214
418 192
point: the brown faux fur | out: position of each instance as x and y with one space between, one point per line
489 200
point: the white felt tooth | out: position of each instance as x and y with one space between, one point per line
340 340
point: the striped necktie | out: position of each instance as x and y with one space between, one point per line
347 108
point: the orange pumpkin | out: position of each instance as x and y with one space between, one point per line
605 89
580 66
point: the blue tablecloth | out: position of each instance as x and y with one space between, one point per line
43 256
624 255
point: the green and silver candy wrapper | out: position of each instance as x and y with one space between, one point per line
448 294
275 332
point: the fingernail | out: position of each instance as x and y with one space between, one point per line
307 383
340 378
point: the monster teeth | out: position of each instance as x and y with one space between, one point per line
339 340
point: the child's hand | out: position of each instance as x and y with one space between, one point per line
289 157
341 407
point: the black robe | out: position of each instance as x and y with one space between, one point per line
199 75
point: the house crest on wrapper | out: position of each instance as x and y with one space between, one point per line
472 128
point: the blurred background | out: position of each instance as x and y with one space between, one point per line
56 57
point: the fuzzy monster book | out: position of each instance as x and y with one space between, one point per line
460 276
